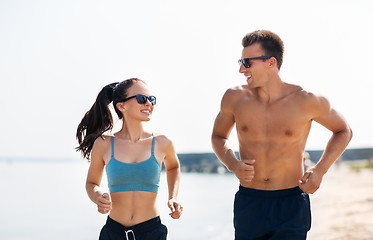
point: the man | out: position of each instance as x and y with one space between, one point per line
273 119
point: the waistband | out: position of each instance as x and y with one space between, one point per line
270 193
141 227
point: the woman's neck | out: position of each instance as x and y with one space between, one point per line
132 131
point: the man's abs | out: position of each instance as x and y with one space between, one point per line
274 171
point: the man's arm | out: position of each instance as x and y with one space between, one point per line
223 126
342 134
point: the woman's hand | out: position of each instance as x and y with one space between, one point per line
176 208
104 203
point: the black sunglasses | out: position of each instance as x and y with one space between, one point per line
142 99
246 61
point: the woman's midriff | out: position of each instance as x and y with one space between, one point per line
131 208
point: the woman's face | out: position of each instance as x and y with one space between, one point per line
134 110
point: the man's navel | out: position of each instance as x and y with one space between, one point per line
244 128
288 133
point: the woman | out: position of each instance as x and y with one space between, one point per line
133 158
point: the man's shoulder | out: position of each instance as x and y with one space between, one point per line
310 99
234 94
299 92
237 91
308 96
239 88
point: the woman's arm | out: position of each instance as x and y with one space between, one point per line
172 165
94 177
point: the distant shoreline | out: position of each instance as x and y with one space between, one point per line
206 162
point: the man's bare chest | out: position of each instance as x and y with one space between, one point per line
288 121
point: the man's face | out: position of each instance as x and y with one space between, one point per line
257 67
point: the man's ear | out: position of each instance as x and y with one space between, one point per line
272 61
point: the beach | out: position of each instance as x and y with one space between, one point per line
47 200
342 209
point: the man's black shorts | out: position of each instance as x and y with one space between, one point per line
276 215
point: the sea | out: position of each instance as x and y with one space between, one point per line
43 200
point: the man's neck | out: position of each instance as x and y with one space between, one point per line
271 91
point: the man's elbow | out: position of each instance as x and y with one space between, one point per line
347 132
213 137
350 134
216 139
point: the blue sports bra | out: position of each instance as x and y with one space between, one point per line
141 176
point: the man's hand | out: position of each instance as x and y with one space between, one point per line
244 170
310 181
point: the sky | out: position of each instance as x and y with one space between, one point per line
55 56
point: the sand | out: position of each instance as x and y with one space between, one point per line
342 208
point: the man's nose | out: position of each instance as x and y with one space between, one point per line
242 68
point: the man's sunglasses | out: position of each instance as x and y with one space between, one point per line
142 99
246 61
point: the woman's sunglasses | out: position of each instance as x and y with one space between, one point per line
142 99
246 61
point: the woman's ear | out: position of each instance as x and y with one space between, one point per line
121 107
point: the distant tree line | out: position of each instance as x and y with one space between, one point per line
209 163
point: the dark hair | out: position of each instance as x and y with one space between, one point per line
98 119
269 41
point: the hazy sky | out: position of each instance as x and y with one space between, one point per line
55 56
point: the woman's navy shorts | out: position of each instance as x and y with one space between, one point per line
276 215
152 229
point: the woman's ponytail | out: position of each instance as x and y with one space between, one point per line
96 121
99 119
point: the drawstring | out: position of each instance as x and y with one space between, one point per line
133 234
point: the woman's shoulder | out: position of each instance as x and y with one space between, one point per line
163 141
101 148
165 146
102 142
